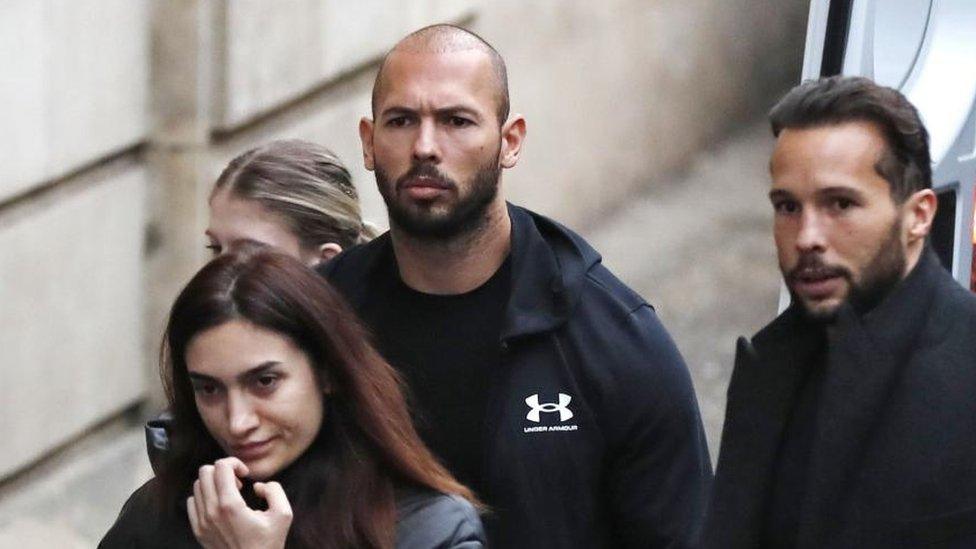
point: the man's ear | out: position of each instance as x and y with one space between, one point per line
366 136
919 210
513 135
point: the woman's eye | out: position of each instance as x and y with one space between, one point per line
205 389
786 207
267 382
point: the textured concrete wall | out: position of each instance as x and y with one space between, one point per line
620 93
273 52
73 93
73 85
71 289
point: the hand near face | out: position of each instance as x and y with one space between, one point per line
221 519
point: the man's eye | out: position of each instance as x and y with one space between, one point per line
398 122
842 203
214 249
459 122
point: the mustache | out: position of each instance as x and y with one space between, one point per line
427 171
812 266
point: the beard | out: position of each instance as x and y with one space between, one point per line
421 220
878 278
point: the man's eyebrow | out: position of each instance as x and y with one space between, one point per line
779 193
834 189
397 110
457 109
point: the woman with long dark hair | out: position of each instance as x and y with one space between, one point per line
291 195
289 428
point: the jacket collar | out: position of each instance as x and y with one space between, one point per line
768 371
866 356
549 265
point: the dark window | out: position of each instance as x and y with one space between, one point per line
835 38
943 227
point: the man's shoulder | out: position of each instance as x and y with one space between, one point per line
952 314
601 282
577 256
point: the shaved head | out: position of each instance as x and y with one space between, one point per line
443 38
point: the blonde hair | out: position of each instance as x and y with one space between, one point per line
304 183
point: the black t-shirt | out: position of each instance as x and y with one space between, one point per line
447 347
792 468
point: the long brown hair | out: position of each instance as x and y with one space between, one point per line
342 488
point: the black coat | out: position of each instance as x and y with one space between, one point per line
631 468
893 461
425 520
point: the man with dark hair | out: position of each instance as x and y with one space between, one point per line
540 380
851 420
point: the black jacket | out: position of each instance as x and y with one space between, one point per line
426 520
630 468
893 461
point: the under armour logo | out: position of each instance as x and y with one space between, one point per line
550 407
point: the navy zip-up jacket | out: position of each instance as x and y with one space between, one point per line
593 436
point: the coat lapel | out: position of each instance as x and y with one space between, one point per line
760 398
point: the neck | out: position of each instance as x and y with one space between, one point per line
912 255
455 265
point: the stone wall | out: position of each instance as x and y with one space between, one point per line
120 113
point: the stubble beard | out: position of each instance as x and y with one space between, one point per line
465 216
878 279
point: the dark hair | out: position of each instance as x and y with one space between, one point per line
342 487
906 164
304 183
443 38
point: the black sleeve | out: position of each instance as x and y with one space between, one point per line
142 524
659 473
134 517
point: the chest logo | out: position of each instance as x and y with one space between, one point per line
536 409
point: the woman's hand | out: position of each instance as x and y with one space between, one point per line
220 518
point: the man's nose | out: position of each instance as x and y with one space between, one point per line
811 235
425 147
241 415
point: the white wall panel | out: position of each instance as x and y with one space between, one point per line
71 311
73 87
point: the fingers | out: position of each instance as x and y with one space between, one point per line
240 469
191 512
227 484
198 507
208 494
274 494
